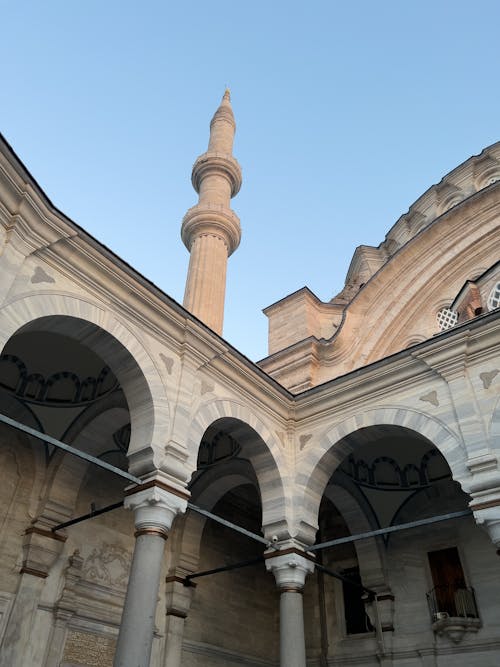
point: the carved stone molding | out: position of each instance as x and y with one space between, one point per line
41 548
454 628
155 507
290 569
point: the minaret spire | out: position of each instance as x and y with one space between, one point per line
211 230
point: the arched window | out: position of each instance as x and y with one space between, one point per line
446 319
494 297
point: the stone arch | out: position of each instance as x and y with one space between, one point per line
369 557
187 538
339 441
266 457
101 330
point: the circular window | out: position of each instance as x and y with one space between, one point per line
446 319
494 297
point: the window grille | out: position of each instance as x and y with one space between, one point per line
446 319
494 297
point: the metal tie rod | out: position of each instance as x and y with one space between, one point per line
341 577
192 507
90 515
67 448
390 529
122 473
228 524
223 568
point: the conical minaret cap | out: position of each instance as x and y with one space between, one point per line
222 127
219 157
225 111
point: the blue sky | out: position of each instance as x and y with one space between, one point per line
346 114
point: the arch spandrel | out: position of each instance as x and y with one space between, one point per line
267 458
337 442
103 332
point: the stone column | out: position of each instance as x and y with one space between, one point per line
290 570
155 509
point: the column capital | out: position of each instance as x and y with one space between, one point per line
487 515
290 569
155 508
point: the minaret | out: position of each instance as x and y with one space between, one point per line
211 230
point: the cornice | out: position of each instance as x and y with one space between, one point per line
303 293
402 370
112 287
236 376
381 384
23 197
478 208
463 181
450 230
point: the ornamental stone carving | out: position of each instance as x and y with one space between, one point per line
108 565
290 570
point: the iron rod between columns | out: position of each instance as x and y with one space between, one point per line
390 529
67 448
117 471
224 568
258 538
233 526
90 515
346 580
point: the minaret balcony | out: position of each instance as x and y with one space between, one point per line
211 219
213 162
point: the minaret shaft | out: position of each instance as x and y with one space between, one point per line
206 282
215 189
221 137
211 230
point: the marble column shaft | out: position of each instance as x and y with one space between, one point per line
155 510
290 571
